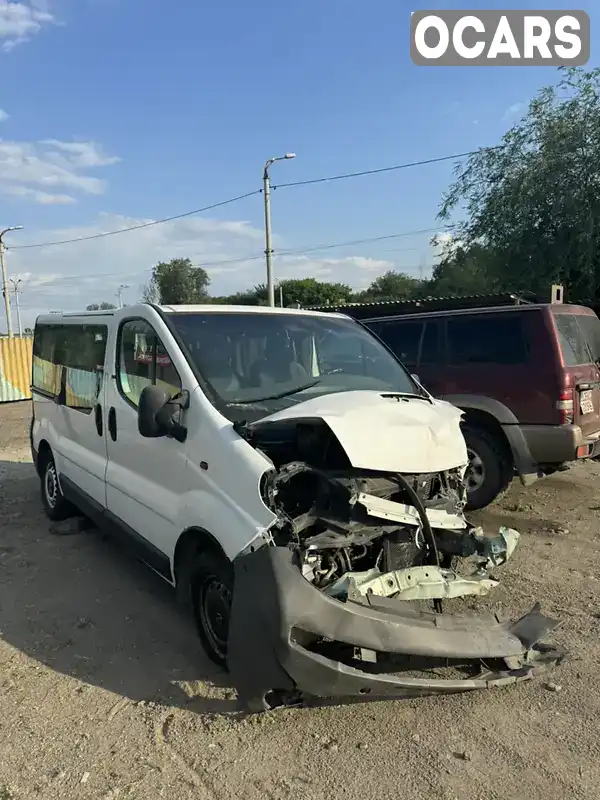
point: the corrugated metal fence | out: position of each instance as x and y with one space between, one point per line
15 369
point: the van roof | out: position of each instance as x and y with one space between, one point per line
201 308
224 309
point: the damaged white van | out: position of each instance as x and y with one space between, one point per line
287 475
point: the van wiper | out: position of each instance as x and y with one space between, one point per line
275 396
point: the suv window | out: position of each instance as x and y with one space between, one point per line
143 361
402 337
579 337
487 339
430 346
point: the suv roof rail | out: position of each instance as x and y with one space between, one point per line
389 307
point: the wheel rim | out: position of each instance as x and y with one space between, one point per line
51 487
475 476
215 611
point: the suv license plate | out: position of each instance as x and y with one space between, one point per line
586 402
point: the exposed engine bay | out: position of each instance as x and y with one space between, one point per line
326 603
350 528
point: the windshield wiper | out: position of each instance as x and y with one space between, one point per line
274 396
400 395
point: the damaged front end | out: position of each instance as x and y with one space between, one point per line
334 604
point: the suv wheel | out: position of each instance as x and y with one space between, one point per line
211 594
489 472
56 506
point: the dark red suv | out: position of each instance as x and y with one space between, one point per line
525 374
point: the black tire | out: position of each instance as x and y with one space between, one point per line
489 471
211 590
57 508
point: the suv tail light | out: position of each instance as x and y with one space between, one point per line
566 407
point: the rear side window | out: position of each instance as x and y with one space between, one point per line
77 351
579 338
487 339
45 374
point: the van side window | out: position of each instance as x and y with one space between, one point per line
403 338
45 374
487 339
77 349
143 361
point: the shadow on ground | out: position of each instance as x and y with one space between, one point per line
81 606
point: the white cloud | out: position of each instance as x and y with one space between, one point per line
71 276
82 155
19 21
514 111
44 198
28 169
445 242
3 115
350 270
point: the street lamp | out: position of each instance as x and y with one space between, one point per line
268 248
120 294
4 281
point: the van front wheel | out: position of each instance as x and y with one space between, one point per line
211 594
488 473
56 506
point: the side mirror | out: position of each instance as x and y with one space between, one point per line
157 413
416 378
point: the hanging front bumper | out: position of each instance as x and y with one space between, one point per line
278 616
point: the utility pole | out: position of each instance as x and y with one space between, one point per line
4 281
268 247
15 282
120 294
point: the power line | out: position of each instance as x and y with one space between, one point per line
339 177
140 226
240 259
380 170
371 240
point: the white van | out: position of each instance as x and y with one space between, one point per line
288 476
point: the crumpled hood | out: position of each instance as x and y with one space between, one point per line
387 433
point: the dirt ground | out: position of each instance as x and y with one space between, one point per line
105 693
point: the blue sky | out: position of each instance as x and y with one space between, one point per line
122 111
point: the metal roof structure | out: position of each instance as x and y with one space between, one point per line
389 307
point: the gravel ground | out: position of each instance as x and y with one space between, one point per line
105 693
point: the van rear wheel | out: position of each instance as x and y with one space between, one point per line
56 506
211 587
488 472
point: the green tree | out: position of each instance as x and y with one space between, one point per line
463 271
100 306
391 286
532 205
177 282
294 291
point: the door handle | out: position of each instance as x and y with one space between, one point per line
98 415
112 423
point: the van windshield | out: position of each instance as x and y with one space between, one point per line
579 336
273 361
